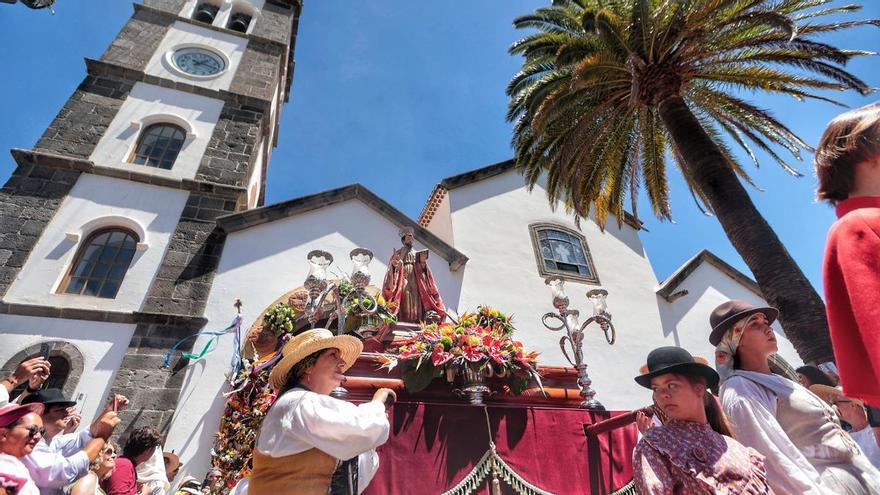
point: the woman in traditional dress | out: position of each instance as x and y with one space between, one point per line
806 450
693 452
249 399
310 440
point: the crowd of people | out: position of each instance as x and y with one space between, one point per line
762 433
44 449
765 433
305 439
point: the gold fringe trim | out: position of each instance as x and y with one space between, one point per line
628 489
492 463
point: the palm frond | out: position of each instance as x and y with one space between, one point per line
586 102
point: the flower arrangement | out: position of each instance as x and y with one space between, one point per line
480 341
281 318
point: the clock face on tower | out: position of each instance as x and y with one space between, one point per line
198 62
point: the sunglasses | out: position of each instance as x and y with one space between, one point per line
33 430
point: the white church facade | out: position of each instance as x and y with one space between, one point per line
138 219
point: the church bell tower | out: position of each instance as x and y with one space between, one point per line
109 244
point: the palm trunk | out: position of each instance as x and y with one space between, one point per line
784 286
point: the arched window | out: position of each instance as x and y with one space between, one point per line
101 263
562 251
158 145
57 377
205 12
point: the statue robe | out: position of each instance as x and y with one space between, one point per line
412 287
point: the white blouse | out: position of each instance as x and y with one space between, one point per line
751 409
868 443
13 469
300 420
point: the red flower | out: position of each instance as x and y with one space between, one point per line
409 353
472 354
495 354
439 357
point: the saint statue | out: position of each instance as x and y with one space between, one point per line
410 283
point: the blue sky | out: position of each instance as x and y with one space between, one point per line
396 95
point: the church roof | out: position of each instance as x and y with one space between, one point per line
265 214
668 286
467 178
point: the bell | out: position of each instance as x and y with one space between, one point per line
206 13
239 22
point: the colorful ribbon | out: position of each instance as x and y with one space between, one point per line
210 345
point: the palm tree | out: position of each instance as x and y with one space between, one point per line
607 88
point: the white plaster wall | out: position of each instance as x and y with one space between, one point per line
490 220
256 178
441 223
95 202
102 345
182 34
687 319
148 104
259 265
227 8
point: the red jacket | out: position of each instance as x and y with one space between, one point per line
851 274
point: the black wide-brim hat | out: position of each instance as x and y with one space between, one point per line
48 397
726 315
671 359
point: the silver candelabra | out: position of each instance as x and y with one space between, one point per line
567 319
319 287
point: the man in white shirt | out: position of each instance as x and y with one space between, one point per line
61 458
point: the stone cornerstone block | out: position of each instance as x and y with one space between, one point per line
140 37
275 23
171 6
257 76
27 202
84 118
231 149
182 285
153 391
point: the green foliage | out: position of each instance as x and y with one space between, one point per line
281 318
586 100
417 378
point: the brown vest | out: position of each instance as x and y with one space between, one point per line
306 473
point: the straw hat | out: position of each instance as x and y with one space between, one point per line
309 342
172 461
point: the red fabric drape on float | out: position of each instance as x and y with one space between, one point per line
433 447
